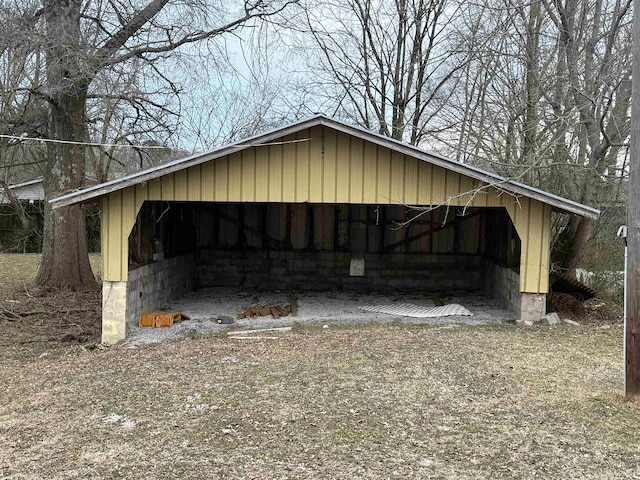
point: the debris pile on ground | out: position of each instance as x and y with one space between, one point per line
249 334
276 310
566 305
418 311
161 319
31 315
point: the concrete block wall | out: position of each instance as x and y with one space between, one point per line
330 269
504 284
154 284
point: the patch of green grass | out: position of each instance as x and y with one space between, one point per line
21 268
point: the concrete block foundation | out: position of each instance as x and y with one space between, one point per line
533 306
114 311
147 288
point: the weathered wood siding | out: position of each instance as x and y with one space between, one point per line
321 165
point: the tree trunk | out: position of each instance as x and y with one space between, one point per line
570 246
65 257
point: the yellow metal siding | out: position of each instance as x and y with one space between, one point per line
322 165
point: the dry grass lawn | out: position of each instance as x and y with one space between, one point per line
339 403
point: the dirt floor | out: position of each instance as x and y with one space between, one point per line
316 308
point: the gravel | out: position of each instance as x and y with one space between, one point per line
315 308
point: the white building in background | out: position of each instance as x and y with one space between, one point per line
29 191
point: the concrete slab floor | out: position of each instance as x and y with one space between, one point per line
324 308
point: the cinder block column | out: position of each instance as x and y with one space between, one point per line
114 311
532 306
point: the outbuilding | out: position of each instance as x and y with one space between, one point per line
320 204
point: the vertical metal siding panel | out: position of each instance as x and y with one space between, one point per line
424 183
221 179
302 166
466 191
128 221
451 186
343 169
519 213
262 174
207 182
248 180
545 250
370 194
384 175
438 183
289 161
328 217
235 177
397 178
194 183
411 181
329 166
155 189
114 268
181 185
168 192
357 171
315 165
481 196
105 246
275 173
534 251
142 194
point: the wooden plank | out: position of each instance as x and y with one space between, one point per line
299 226
342 234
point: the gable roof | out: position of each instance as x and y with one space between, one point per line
558 203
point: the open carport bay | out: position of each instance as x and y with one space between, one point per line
336 258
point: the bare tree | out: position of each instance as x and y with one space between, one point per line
549 101
386 65
84 45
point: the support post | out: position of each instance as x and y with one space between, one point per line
632 330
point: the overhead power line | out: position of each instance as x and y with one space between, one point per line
87 144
